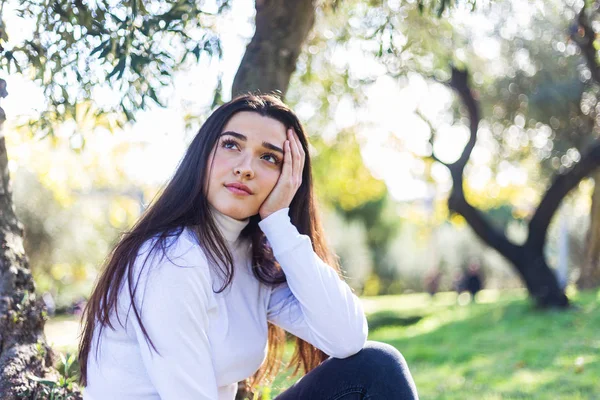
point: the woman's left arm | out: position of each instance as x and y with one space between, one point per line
316 305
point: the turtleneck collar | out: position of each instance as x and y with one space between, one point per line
229 227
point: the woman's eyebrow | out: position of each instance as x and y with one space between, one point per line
235 134
245 139
272 147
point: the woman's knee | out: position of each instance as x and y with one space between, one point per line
380 353
375 358
382 359
385 369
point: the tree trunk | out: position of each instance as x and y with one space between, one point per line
540 280
270 59
590 270
23 348
528 259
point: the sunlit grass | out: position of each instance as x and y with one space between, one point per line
497 348
62 333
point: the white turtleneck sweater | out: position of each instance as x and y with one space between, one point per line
210 341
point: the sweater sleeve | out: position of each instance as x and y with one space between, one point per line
173 298
315 304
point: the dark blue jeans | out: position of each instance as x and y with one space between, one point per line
377 372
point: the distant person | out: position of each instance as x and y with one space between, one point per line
458 283
473 279
78 306
197 294
432 281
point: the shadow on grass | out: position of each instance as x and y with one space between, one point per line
391 318
503 350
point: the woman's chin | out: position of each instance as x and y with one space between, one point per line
238 213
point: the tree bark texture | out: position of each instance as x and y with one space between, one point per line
23 348
270 58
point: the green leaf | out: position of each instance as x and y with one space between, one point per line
70 360
185 55
153 96
135 60
98 48
119 68
107 49
128 114
196 52
117 19
42 381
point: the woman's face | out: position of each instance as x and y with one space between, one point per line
249 152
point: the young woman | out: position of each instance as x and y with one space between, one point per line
198 293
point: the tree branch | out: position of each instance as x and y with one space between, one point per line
560 187
585 36
431 137
457 201
459 82
490 234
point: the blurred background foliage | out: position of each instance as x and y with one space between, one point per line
369 89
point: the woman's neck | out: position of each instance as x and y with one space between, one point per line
229 227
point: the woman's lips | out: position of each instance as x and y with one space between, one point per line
236 190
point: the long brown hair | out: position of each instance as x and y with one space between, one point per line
182 203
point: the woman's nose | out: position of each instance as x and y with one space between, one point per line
244 170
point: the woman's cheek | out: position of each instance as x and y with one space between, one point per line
274 177
268 183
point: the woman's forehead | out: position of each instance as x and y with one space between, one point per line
256 127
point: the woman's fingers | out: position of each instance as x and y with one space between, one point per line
287 170
290 139
294 151
298 163
302 157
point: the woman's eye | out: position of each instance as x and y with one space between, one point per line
229 144
271 158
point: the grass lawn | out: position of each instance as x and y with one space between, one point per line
499 348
